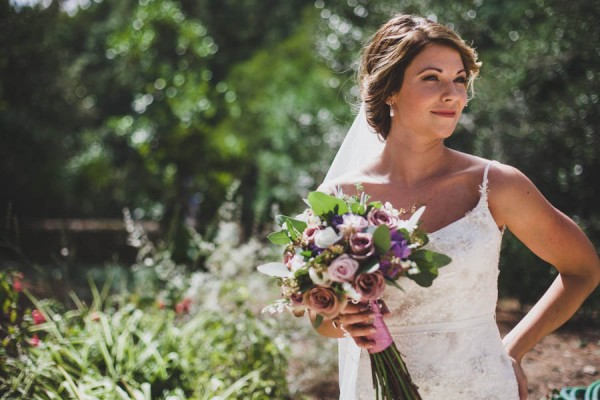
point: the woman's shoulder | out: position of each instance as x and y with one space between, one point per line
499 174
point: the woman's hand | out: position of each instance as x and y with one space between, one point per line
357 321
521 379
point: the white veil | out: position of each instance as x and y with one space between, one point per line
360 146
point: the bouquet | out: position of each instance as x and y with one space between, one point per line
345 248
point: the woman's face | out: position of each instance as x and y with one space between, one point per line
433 94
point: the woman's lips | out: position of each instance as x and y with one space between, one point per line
445 113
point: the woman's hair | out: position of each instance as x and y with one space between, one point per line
389 52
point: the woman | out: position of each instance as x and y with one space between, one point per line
415 75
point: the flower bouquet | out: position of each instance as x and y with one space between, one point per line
344 248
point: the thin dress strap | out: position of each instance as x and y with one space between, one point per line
484 184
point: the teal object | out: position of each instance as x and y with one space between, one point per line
591 392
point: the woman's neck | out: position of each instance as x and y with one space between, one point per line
410 163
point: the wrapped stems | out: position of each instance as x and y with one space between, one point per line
391 379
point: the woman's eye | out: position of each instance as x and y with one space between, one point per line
461 79
430 78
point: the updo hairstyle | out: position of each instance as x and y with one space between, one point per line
389 52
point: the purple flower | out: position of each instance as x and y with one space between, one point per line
316 250
361 245
336 220
399 246
400 249
342 269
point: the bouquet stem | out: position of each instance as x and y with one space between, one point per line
391 379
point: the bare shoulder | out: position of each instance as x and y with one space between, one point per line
507 182
512 194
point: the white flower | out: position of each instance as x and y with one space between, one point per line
309 218
389 208
414 268
318 279
351 292
296 263
326 237
411 224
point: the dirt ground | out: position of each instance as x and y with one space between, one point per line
567 357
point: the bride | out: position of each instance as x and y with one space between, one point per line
415 76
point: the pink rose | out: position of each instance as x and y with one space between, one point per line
361 245
370 286
323 300
298 305
342 269
309 234
381 217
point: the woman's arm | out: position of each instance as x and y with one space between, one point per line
516 203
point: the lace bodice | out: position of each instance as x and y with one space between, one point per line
447 332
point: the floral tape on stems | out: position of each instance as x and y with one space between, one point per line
382 336
391 379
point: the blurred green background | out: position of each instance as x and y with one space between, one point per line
160 106
196 113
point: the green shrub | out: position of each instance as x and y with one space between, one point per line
123 352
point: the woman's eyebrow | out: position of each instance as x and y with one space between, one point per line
438 70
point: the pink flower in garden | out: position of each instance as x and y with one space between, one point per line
183 306
342 269
361 245
323 300
38 317
95 316
370 286
161 304
17 283
35 340
378 216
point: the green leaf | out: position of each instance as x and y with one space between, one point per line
280 237
425 277
393 283
322 204
296 224
318 321
357 208
381 239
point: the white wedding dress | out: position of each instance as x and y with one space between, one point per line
446 333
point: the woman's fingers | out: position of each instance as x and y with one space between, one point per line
365 317
364 342
359 330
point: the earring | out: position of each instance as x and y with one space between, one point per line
391 110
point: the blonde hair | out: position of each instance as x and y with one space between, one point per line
389 52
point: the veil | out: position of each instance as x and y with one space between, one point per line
360 145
